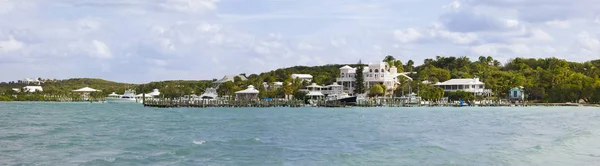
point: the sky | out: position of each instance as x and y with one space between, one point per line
138 41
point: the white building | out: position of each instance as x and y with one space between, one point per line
303 77
374 73
32 89
334 88
468 85
274 85
30 81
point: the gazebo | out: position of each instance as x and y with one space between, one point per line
85 92
114 95
247 94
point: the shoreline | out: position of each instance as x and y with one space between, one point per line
250 105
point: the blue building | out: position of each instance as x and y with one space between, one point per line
516 93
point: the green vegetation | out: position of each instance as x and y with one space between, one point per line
376 90
359 86
544 80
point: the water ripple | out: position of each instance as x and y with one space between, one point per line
129 134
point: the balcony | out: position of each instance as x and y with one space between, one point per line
345 79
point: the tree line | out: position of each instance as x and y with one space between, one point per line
544 80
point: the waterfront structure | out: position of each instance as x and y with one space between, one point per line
373 73
472 85
334 88
85 92
209 94
516 94
303 77
247 94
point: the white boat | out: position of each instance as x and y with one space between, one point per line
127 97
209 94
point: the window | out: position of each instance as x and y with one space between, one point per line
480 86
472 86
515 93
376 71
371 70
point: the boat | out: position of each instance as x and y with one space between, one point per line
209 94
127 97
411 98
342 98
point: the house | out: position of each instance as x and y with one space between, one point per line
29 89
472 85
274 85
516 94
374 73
230 78
303 77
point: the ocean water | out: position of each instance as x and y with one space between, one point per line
129 134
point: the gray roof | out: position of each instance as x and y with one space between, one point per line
230 78
471 81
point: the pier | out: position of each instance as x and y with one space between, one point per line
391 102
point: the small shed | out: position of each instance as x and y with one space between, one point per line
247 94
516 93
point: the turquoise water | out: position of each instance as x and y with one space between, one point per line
129 134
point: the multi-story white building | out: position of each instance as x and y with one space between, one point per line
374 73
472 85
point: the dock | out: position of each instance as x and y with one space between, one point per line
391 102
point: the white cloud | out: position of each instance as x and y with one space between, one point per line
455 5
305 46
559 23
512 23
6 6
88 24
501 49
588 43
11 45
190 6
454 37
407 36
102 50
338 42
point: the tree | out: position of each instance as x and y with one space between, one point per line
237 79
434 74
226 88
409 66
390 60
376 90
288 89
359 87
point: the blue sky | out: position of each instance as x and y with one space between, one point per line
146 40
